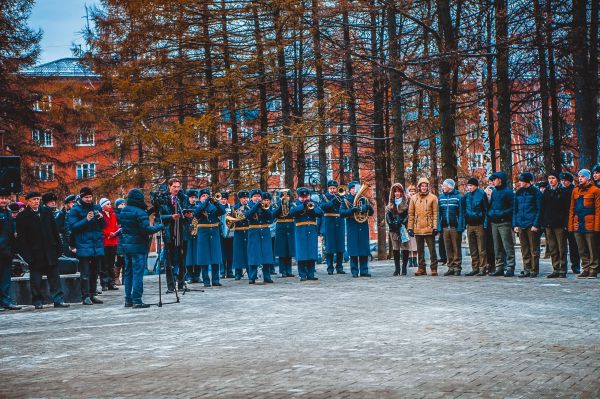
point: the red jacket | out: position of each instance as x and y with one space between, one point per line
111 226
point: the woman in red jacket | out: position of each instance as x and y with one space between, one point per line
111 229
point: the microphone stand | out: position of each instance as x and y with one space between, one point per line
160 251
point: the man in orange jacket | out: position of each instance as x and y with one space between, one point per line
584 221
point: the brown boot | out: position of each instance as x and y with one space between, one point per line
434 272
421 272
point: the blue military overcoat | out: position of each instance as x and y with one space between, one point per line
208 239
333 226
240 242
357 234
260 245
285 241
307 231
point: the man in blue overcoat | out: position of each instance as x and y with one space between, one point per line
240 236
226 238
305 214
285 245
333 228
208 237
357 233
260 246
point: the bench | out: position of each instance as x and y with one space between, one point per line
20 289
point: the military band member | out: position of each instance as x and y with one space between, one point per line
240 237
285 245
208 237
226 238
334 228
193 269
260 247
357 233
305 214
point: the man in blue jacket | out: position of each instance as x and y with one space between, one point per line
527 223
452 223
85 222
500 214
475 207
134 244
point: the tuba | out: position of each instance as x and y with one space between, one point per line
236 216
359 201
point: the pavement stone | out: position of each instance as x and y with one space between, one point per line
339 337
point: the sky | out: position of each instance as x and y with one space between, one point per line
61 21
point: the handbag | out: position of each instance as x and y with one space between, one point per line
404 237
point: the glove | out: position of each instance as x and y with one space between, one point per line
435 233
411 233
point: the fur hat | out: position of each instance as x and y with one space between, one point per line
526 177
254 192
301 191
243 194
332 183
566 176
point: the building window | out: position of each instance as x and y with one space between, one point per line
43 138
568 130
230 164
202 171
274 105
312 162
229 133
568 159
85 137
43 104
531 159
473 133
247 133
86 171
44 171
476 161
346 164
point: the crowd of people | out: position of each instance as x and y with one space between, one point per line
206 239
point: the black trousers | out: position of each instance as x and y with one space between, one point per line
88 271
574 253
227 253
175 262
107 272
38 288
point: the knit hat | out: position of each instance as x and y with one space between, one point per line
473 181
585 173
33 194
566 176
103 202
450 183
5 192
85 191
119 201
526 177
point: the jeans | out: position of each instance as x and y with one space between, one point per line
133 278
359 265
88 271
5 275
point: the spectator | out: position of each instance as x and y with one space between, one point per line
396 216
475 206
422 224
86 222
500 214
39 245
134 244
584 221
7 249
555 211
489 249
119 204
412 242
60 218
111 239
49 201
566 179
451 224
526 223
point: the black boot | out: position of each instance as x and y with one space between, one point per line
396 263
404 262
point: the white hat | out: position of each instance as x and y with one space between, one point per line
103 202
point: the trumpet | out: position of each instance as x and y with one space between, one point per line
266 204
217 197
310 205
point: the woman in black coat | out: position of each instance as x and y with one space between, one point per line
39 244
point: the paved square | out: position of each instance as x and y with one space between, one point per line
384 337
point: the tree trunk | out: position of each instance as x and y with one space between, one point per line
503 87
489 92
350 93
210 98
316 36
543 82
552 92
396 92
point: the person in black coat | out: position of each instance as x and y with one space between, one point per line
61 223
566 179
7 247
39 244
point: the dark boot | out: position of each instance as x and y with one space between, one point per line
404 262
396 263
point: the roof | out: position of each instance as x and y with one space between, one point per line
62 68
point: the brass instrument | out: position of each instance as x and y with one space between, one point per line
285 203
236 216
359 201
342 190
310 205
266 204
216 198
